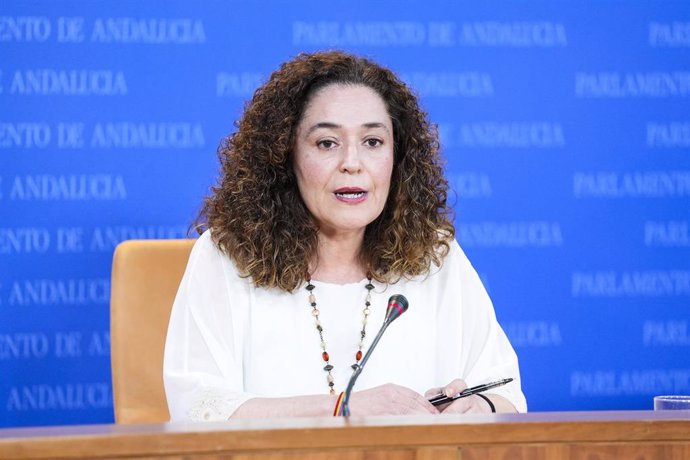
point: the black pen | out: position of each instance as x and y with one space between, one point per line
443 399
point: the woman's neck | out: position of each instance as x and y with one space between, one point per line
339 258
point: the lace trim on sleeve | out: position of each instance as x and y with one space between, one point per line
215 405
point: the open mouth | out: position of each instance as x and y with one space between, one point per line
350 195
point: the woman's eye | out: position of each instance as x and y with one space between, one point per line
326 144
373 142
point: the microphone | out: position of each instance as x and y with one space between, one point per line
397 305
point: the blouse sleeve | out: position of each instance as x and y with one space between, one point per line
486 354
202 369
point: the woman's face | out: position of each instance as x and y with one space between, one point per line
343 157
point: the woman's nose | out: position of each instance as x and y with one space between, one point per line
351 161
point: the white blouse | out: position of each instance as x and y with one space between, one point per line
229 341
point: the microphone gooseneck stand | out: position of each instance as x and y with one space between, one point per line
397 305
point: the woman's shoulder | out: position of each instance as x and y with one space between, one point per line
448 248
453 260
206 251
447 245
204 246
205 239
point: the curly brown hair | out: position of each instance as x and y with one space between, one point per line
256 214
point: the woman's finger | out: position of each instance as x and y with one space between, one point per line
390 399
431 392
469 405
454 387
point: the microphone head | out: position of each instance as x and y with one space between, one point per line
397 305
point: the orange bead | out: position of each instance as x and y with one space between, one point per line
325 356
358 356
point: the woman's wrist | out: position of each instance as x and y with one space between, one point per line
488 401
295 406
501 404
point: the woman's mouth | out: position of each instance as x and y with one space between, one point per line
350 195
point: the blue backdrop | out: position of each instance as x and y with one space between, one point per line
566 128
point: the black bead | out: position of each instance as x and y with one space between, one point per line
313 304
319 328
369 286
355 366
310 287
328 367
331 384
367 303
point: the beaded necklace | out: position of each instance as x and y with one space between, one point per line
324 355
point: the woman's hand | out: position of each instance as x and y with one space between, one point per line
469 405
390 399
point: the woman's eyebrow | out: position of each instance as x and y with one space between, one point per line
330 125
323 124
376 124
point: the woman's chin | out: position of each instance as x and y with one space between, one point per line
344 228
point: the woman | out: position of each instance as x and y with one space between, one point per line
332 198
